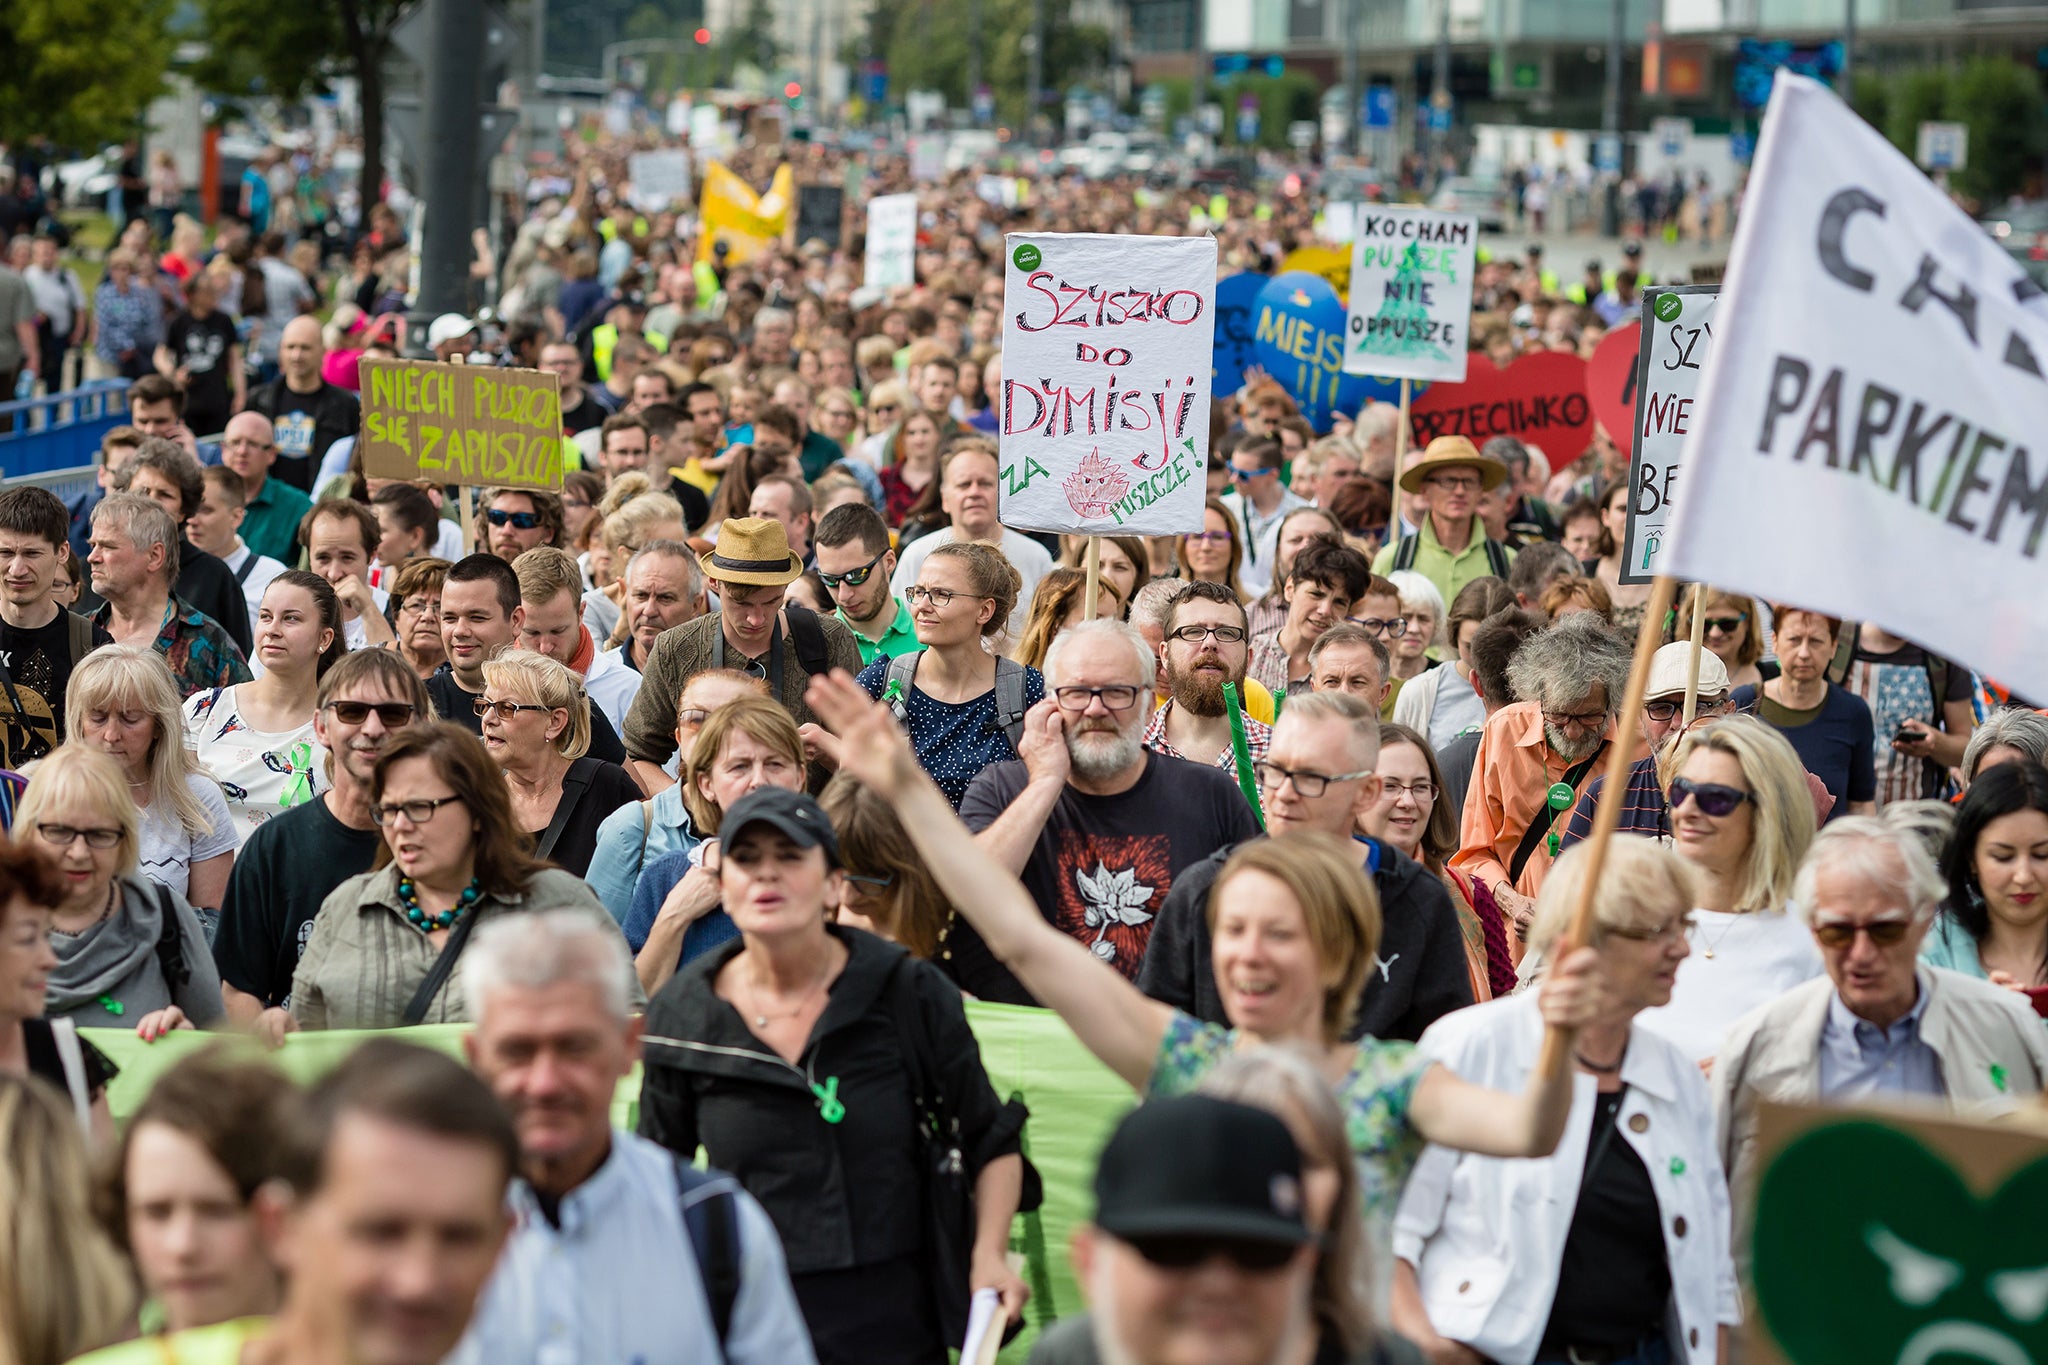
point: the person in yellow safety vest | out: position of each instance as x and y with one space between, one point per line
1546 279
1586 290
628 315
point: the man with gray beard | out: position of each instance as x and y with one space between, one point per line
1095 826
1538 755
1206 644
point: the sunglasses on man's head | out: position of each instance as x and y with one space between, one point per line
524 521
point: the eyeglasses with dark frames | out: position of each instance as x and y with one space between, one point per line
415 812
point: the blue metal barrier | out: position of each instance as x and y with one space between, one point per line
60 432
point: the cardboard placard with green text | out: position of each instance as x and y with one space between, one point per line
462 424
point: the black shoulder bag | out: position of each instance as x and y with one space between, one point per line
1539 826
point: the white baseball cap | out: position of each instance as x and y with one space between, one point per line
448 327
1670 664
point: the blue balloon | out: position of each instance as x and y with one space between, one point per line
1236 298
1298 339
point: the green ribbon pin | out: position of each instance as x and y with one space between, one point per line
829 1107
1678 1165
1998 1074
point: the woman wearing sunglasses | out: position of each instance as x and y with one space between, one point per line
129 953
1213 554
956 703
889 891
535 718
1734 631
1742 815
383 949
257 738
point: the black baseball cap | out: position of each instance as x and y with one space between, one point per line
794 813
1194 1166
1632 250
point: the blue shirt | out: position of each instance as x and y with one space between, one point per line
713 928
631 839
1949 945
954 740
1858 1059
615 1278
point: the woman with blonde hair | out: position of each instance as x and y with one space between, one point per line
1568 595
1742 814
889 890
122 701
130 953
64 1288
1059 603
1735 632
536 727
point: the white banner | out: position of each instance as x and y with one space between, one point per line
892 241
660 180
1104 409
1411 293
1862 442
1677 337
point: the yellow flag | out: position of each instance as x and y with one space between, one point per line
745 221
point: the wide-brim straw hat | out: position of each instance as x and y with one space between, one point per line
1447 451
752 551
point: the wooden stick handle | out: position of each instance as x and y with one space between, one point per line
1692 667
1094 560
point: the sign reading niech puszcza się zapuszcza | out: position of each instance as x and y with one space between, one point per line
1104 408
462 424
1411 293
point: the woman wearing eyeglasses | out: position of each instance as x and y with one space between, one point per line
536 725
1213 554
889 891
952 696
383 949
1734 631
257 738
417 590
1742 815
123 701
911 472
836 414
1059 603
130 953
1616 1247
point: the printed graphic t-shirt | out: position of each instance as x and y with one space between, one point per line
263 774
39 663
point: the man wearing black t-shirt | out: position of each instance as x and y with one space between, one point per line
1095 825
200 352
309 413
293 860
580 412
39 640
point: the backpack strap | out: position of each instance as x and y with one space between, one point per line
248 567
80 629
1497 558
1545 818
1406 550
170 943
809 638
903 672
711 1218
646 833
1010 699
1845 654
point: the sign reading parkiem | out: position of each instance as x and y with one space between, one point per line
462 424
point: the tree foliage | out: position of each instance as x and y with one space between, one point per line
81 72
929 42
2000 101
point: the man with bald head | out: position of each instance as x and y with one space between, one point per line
272 510
308 414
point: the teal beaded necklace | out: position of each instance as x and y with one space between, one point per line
409 897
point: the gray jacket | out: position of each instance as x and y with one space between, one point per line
121 961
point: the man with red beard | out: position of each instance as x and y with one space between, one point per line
1206 645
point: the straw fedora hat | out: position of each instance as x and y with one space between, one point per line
752 551
1447 451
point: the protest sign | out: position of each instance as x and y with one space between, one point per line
461 424
1411 293
660 180
1885 1234
1298 339
819 210
1540 398
1611 380
1104 410
1236 301
1677 337
892 241
1867 441
733 213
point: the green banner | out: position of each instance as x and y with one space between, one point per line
1074 1102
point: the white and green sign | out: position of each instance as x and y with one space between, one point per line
1411 293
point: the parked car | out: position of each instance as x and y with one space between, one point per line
1485 199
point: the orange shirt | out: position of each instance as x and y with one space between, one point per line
1511 776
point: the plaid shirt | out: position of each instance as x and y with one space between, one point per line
199 652
1267 664
1257 735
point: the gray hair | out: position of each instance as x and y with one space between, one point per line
1346 709
693 572
782 315
1151 604
1148 666
1562 664
2011 728
544 948
1887 853
1417 592
146 525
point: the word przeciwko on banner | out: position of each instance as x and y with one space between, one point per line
1868 437
1411 293
892 241
1105 398
1677 338
462 424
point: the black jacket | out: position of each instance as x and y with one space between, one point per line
1420 976
842 1195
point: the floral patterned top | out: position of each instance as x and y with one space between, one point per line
1375 1096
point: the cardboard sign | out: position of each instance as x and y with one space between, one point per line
1611 380
892 241
1541 398
660 180
744 221
1298 339
1411 293
1104 409
1885 1235
1677 339
819 214
461 424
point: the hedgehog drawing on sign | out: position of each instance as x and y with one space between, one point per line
1095 486
1402 326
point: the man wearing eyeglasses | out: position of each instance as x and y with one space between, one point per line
1259 502
1096 826
291 862
1643 809
855 561
1205 646
1881 1024
1450 548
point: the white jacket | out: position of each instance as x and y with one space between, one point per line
1486 1236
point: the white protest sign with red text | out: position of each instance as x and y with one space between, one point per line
1104 407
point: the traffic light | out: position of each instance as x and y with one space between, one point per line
703 37
793 92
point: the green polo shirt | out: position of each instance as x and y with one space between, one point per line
899 638
270 523
1450 572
